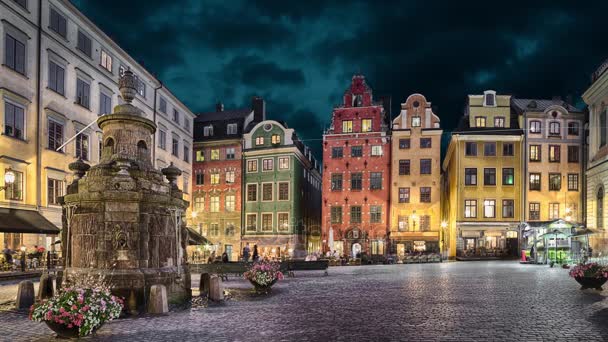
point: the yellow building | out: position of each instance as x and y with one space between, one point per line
415 175
482 179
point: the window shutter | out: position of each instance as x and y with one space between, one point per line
10 52
20 57
60 80
52 76
62 25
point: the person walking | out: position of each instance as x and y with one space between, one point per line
246 252
256 255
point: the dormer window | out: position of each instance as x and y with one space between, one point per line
499 121
208 131
535 127
416 121
480 121
357 101
259 141
276 139
231 128
489 98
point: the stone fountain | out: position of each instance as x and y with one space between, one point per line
122 220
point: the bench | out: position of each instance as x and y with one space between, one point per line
302 265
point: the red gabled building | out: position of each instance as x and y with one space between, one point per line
356 174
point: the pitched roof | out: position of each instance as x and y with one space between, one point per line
223 115
540 105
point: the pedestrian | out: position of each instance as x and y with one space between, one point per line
246 252
8 254
532 251
224 257
256 255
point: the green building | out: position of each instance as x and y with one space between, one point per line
282 192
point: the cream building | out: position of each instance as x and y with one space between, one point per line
416 179
60 72
596 98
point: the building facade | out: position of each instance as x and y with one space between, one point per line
415 217
59 73
356 174
553 159
482 179
596 97
217 179
282 192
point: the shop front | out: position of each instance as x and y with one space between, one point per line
407 243
481 241
273 247
557 241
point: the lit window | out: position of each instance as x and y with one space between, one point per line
534 211
553 211
283 191
252 166
404 195
554 153
215 178
535 153
230 202
508 208
425 194
555 181
283 163
375 214
336 214
535 127
470 208
266 222
54 191
229 177
535 181
276 139
489 208
259 141
377 151
252 192
572 182
252 222
347 126
106 61
267 192
366 125
508 176
215 154
200 156
499 121
416 121
283 219
267 164
14 190
199 203
214 204
480 121
554 128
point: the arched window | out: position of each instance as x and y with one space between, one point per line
142 148
357 101
600 208
109 146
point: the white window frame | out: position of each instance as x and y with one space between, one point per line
247 192
278 221
108 60
271 164
271 222
271 191
485 98
211 204
375 152
247 222
283 158
288 191
231 129
256 165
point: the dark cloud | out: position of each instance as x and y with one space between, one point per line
300 55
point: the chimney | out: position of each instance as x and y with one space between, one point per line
219 107
258 105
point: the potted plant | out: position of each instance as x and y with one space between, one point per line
590 275
263 274
78 310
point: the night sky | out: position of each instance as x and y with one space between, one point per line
300 55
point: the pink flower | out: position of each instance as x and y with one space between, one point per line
61 310
69 325
74 307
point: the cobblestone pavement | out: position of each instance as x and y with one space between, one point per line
466 301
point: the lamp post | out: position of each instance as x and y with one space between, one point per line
23 258
9 178
555 231
444 226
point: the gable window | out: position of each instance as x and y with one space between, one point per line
105 104
259 141
252 192
470 148
535 127
83 93
231 128
283 191
84 44
508 176
106 61
55 135
535 153
416 121
347 126
425 142
489 208
425 166
507 149
252 166
356 181
366 125
425 194
208 131
554 128
336 181
534 211
489 100
555 181
375 214
508 208
82 146
480 121
275 139
404 167
336 214
534 181
470 208
355 214
376 151
404 143
572 128
356 151
267 164
14 56
573 154
489 149
499 121
554 153
336 152
470 176
54 191
489 176
56 78
14 120
404 195
376 180
283 163
572 182
215 154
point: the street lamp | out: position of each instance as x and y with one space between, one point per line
444 226
194 214
9 178
23 258
414 217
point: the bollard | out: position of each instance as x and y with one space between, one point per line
216 291
158 303
204 284
45 289
25 295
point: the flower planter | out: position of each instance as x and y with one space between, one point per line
63 331
591 282
262 289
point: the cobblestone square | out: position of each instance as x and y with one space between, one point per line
474 301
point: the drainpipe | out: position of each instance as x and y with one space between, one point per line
154 119
38 110
524 184
243 193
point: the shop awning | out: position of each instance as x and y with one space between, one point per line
194 238
25 221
